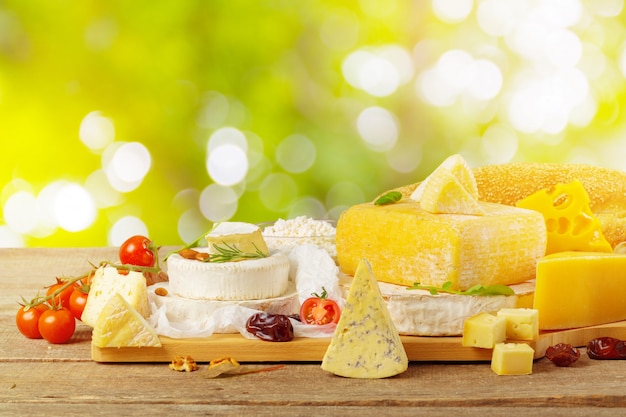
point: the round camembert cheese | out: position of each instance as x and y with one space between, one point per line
249 279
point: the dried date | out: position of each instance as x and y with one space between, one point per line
562 354
606 348
270 327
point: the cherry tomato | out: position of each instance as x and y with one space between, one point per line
62 299
139 251
319 310
27 321
78 299
57 325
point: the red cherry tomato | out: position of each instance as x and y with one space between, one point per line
319 310
78 299
57 325
62 299
139 251
27 321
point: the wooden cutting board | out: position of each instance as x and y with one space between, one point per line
418 348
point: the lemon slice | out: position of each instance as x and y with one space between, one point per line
120 325
450 188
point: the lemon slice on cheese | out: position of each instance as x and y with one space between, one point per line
451 188
120 325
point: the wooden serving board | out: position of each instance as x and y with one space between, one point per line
418 348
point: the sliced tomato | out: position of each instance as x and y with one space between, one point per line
319 310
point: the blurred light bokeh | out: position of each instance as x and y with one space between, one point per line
126 117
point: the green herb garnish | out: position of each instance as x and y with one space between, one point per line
229 253
388 198
475 290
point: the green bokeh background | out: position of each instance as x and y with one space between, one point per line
150 66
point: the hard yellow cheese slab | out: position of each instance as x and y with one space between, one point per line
578 289
406 244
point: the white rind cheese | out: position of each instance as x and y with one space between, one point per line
365 343
181 309
419 313
105 283
250 279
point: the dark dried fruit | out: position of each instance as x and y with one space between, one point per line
606 348
562 354
270 327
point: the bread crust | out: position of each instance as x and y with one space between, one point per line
509 183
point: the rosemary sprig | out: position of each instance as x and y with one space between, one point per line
482 290
229 253
389 198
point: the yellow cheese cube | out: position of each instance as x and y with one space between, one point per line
484 330
521 323
406 244
579 289
512 359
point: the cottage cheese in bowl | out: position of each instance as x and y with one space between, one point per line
285 235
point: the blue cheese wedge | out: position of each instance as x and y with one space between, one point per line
366 343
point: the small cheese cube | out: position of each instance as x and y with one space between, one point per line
521 323
512 359
484 330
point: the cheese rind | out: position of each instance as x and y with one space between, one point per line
107 282
579 289
250 279
521 323
405 244
365 343
484 330
512 359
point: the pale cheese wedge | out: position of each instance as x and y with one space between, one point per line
444 193
120 325
107 282
246 237
366 343
456 166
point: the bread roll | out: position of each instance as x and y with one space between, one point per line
509 183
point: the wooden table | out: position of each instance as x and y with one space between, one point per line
38 378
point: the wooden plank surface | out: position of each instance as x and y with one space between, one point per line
447 349
39 379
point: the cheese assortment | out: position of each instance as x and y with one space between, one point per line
365 343
107 282
579 289
406 244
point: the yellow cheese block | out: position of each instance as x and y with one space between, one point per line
366 343
579 289
512 359
521 323
484 330
406 244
